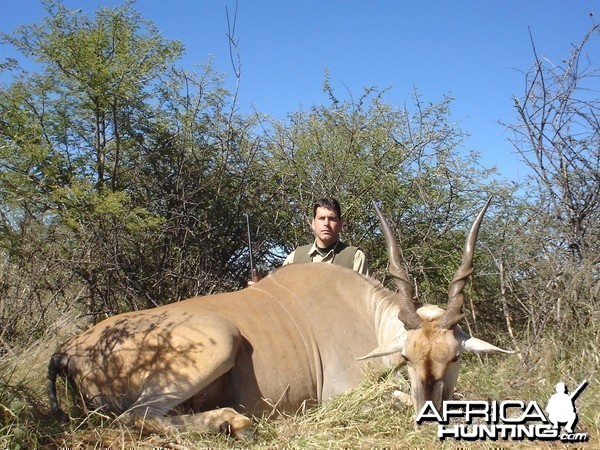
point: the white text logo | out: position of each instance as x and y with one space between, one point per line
509 419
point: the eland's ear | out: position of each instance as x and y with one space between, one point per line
393 345
475 345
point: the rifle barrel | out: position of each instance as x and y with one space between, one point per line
253 272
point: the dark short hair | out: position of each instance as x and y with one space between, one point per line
330 203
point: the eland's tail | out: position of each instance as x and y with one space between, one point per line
57 366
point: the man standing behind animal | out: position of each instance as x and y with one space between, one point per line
326 225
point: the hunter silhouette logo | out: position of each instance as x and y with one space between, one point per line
561 406
510 419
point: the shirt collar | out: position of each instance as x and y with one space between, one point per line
314 249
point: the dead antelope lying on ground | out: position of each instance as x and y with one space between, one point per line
294 337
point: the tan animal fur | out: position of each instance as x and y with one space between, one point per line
292 339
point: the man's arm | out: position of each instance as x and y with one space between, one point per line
361 264
289 259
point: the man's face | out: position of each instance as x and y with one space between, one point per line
327 226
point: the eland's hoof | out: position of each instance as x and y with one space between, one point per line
400 399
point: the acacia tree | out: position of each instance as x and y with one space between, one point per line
555 273
97 73
95 82
145 170
558 137
365 150
89 137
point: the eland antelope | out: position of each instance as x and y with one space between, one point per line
295 337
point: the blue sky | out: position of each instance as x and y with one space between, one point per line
473 50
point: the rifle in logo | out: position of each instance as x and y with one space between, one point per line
561 406
580 388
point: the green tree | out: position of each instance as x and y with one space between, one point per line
71 139
144 168
362 151
98 74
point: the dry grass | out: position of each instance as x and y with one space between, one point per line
364 418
